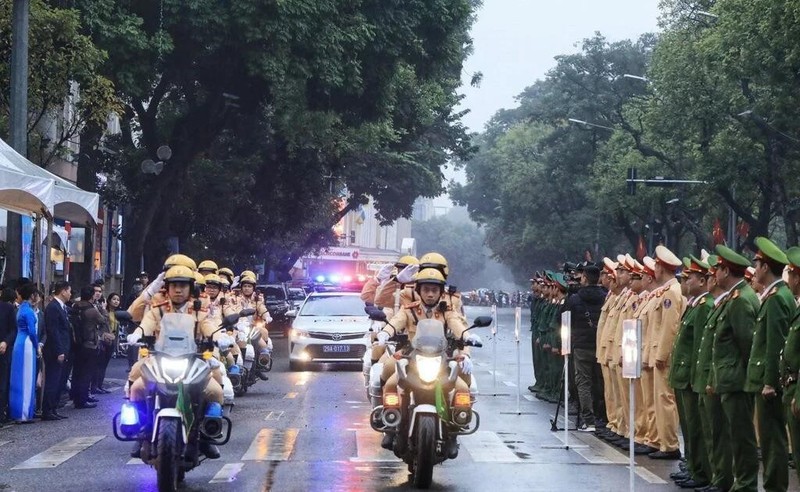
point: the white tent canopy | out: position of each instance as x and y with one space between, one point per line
26 187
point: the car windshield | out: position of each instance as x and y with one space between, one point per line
274 294
333 306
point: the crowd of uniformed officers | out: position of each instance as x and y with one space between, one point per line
720 360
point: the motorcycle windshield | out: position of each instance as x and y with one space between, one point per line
176 337
429 338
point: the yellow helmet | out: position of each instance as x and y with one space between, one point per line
207 265
226 271
199 279
179 273
430 276
247 279
179 259
213 279
247 273
405 261
434 260
224 281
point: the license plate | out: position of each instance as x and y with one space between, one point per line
335 348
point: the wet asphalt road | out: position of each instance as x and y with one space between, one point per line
308 431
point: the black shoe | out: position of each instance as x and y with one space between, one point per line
50 417
691 484
62 417
678 476
533 389
92 400
388 441
668 455
136 452
86 405
209 450
262 375
624 445
709 488
452 448
642 449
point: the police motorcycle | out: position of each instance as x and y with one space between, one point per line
427 413
173 421
250 365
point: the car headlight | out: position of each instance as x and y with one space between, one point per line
173 369
428 367
300 333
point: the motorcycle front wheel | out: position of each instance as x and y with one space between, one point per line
167 462
425 452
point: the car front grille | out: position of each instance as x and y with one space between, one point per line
335 336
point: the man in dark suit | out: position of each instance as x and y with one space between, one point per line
56 348
8 334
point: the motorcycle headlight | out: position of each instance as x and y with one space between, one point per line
173 369
428 367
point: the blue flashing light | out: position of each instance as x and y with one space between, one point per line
128 415
214 409
334 279
320 278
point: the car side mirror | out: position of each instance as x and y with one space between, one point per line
292 313
246 312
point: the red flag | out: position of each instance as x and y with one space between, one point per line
743 229
641 249
717 233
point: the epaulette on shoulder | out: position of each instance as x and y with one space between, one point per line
702 301
773 291
735 294
412 304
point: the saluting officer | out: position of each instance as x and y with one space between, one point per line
763 373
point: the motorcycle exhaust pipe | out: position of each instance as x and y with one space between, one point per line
391 417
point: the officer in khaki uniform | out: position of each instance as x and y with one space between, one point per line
612 353
666 319
609 391
682 367
733 339
154 292
790 361
763 370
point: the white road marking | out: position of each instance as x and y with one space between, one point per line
227 473
510 384
368 448
274 415
529 397
648 476
135 461
290 395
58 453
486 446
271 445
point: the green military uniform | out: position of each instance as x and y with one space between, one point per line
733 338
772 326
716 437
682 367
790 366
536 350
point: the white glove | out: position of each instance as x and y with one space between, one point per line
267 318
225 341
407 275
134 337
474 340
383 338
466 365
155 286
235 282
384 272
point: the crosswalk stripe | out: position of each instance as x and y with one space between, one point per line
510 384
59 453
368 448
271 445
227 473
486 446
529 397
135 461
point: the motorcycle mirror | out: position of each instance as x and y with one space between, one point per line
123 316
247 312
482 321
375 314
230 319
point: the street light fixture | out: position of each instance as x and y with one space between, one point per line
585 123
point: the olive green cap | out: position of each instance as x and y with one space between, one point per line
767 250
793 255
712 260
731 257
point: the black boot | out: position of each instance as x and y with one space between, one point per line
210 450
452 447
388 441
136 452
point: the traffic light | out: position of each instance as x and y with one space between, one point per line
631 180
